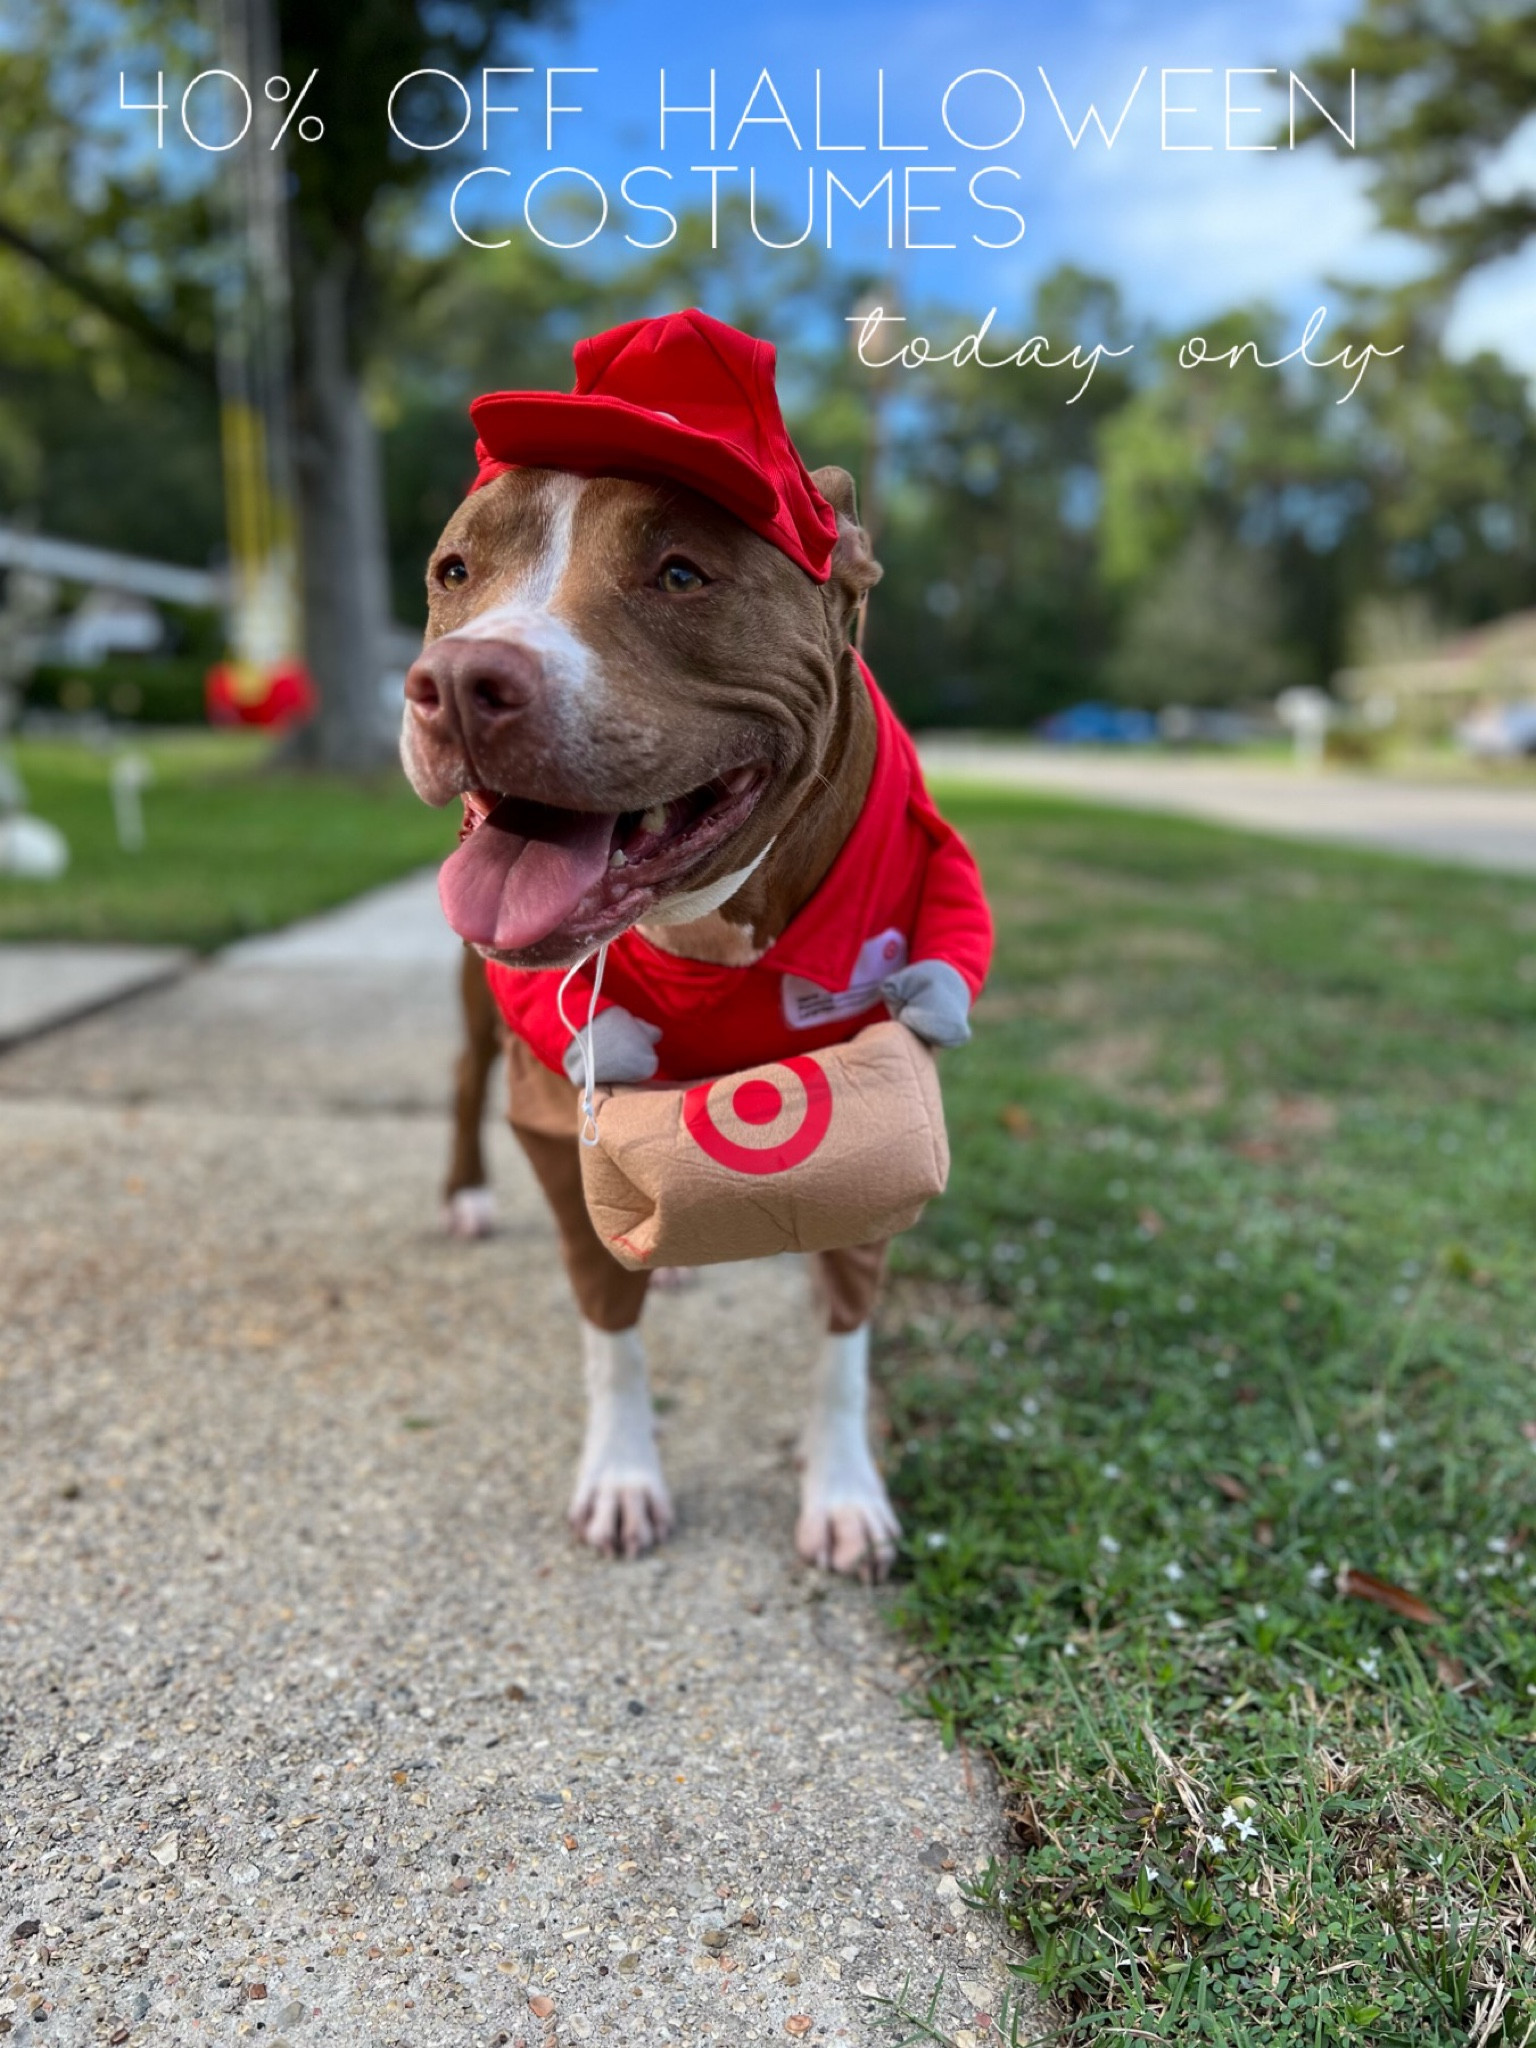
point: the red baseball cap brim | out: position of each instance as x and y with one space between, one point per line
599 436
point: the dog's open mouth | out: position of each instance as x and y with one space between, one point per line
532 877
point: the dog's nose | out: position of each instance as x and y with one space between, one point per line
470 684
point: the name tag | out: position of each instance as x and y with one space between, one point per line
807 1003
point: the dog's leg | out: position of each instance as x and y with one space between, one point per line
847 1523
621 1504
469 1206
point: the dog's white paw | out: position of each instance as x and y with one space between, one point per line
470 1212
847 1523
620 1505
621 1510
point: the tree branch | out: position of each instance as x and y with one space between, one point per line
118 307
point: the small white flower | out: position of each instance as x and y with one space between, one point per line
1109 1546
1385 1440
1103 1272
1173 1571
1174 1619
1029 1405
1246 1829
1260 1611
1069 1649
1001 1431
1109 1471
1342 1486
1313 1457
1370 1664
1021 1639
936 1539
1150 1874
1215 1845
1498 1544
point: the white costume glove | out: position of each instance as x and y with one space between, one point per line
931 998
623 1049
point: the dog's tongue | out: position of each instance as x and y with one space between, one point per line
522 871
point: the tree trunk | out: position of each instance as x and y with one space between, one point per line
344 558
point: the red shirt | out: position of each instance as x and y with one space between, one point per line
904 888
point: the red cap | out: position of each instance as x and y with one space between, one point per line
682 396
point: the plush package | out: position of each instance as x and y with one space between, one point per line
815 1153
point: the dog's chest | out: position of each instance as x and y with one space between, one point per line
713 940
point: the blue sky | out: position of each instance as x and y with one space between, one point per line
1185 233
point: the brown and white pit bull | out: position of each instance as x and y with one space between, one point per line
631 663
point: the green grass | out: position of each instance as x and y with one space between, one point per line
233 844
1235 1285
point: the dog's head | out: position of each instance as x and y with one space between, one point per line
632 691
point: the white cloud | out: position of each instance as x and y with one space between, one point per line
1496 309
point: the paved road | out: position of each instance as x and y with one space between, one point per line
314 1725
1475 824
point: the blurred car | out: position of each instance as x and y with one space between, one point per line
1099 725
1500 732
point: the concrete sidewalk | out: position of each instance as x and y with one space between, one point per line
1473 824
45 985
315 1727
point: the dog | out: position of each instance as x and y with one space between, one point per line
469 1201
639 680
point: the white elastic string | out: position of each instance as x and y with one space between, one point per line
583 1039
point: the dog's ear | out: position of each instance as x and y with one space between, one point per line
854 568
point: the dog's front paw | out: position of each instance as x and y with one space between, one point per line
847 1523
622 1507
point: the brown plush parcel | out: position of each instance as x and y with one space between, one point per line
825 1150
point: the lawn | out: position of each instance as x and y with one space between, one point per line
233 844
1214 1431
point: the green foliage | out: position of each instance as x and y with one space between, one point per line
1206 630
987 503
1233 1288
1442 85
139 689
1423 484
1036 552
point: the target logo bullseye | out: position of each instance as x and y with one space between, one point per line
759 1103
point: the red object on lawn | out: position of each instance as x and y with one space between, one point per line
683 397
244 693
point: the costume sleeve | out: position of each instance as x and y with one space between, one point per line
528 999
953 922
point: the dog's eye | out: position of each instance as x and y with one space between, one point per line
677 576
452 571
